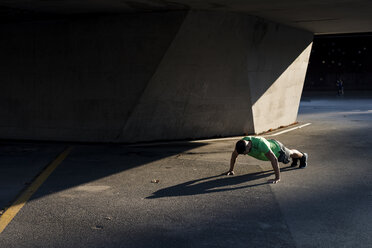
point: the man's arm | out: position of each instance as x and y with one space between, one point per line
234 155
274 162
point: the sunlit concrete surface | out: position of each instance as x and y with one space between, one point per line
109 196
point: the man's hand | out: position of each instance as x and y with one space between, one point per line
276 180
274 163
234 155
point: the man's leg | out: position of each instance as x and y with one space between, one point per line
297 155
294 154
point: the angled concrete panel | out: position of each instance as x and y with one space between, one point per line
278 106
277 67
224 74
201 86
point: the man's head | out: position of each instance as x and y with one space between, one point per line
241 146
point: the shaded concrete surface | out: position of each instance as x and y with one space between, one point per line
78 77
331 16
329 204
19 164
102 195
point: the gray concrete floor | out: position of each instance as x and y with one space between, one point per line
103 195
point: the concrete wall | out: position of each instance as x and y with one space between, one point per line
164 76
78 79
277 69
224 74
200 88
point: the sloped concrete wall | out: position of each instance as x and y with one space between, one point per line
224 74
200 88
278 106
160 76
277 68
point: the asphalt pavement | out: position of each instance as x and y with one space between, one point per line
174 194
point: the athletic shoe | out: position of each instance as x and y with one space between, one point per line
294 162
303 160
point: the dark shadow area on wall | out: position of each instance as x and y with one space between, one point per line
343 56
78 76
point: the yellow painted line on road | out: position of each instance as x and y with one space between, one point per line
12 211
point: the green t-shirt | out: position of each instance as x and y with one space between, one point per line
260 146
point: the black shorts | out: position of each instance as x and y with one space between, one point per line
284 154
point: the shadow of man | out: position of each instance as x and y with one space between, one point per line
218 183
